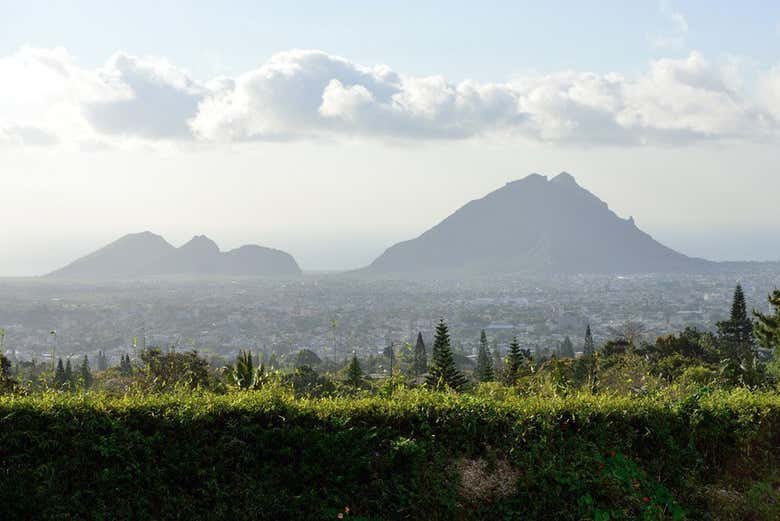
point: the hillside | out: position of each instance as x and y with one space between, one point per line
535 225
145 254
121 259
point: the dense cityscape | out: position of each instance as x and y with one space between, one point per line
335 315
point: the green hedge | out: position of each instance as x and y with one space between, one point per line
267 455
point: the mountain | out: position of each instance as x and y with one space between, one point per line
121 259
255 260
534 225
199 256
145 254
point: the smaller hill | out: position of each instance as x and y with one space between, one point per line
145 254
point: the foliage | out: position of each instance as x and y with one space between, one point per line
484 371
243 374
443 372
267 455
517 362
768 326
354 374
308 358
167 371
767 331
420 366
589 347
7 382
736 343
306 382
566 349
85 375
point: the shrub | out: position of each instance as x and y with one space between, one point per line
268 455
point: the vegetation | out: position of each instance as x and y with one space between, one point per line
686 426
484 371
443 372
491 454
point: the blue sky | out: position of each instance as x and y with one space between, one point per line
329 129
487 40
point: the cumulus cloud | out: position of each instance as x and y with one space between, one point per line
770 91
309 94
150 98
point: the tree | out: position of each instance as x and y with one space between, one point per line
59 376
767 327
85 375
690 343
442 372
5 367
354 374
125 366
273 361
70 380
567 348
243 374
389 352
102 361
163 371
736 333
736 342
307 357
420 362
589 348
630 331
7 383
498 361
514 361
484 370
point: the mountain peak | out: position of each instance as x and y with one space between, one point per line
535 225
201 243
565 178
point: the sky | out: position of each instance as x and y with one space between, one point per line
332 130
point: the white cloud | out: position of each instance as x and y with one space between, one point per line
770 91
46 98
151 98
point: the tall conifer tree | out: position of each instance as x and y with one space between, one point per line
59 375
443 372
514 361
589 348
484 371
85 375
736 333
567 348
420 360
70 379
354 376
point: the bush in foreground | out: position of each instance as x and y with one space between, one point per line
267 455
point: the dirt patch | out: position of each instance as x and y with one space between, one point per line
484 481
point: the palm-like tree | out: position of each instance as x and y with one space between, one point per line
244 375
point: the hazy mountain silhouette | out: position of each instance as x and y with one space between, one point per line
199 256
145 254
535 225
121 259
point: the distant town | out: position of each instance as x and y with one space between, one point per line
336 315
